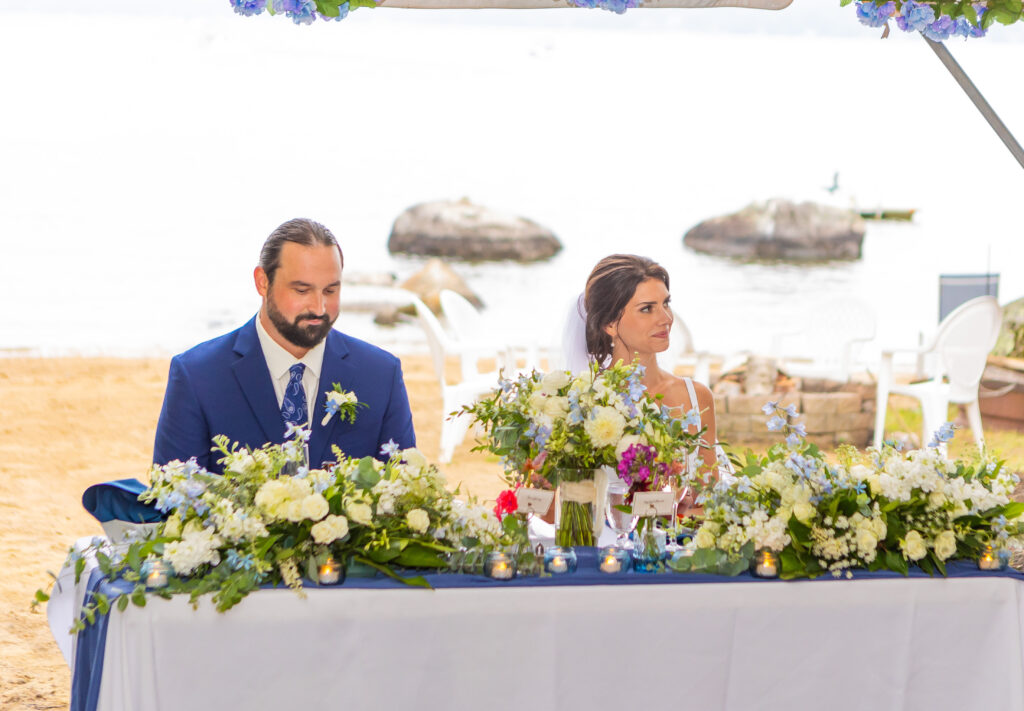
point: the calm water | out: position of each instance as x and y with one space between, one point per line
143 159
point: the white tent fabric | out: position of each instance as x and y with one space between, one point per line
540 4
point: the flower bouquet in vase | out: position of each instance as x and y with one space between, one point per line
568 431
642 471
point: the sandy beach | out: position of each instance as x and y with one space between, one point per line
68 423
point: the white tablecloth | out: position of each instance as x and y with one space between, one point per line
872 644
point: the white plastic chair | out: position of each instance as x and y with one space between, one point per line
453 395
828 341
480 339
959 348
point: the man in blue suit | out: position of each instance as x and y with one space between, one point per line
276 369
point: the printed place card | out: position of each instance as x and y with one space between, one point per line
653 503
536 501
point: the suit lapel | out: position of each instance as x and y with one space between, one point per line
335 369
254 380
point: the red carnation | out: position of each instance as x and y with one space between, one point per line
506 503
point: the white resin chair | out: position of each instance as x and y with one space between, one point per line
453 395
480 339
828 341
960 347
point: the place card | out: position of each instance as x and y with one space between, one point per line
536 501
653 503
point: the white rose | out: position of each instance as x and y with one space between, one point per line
330 529
418 520
554 381
537 402
556 407
945 545
315 507
913 546
804 512
414 458
936 499
704 538
866 540
172 528
879 527
361 514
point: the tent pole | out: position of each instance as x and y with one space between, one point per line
979 101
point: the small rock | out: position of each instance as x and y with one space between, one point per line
462 230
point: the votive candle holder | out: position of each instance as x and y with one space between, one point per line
499 566
613 560
765 564
330 573
559 560
993 558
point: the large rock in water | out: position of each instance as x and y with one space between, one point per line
435 275
462 230
780 229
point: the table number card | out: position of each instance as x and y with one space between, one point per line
536 501
653 503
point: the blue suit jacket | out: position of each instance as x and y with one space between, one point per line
223 386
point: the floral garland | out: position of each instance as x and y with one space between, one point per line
939 20
304 12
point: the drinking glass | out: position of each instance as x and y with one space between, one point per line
619 521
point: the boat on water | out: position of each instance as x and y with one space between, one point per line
887 214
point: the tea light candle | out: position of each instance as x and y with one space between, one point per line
159 573
499 566
329 573
766 564
560 560
990 559
613 560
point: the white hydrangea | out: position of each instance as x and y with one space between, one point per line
197 547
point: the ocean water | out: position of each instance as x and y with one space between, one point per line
144 157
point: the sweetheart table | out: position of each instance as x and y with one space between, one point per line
586 640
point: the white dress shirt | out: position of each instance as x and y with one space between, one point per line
279 361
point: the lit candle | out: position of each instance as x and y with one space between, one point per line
560 560
159 572
989 560
329 573
612 559
499 566
766 564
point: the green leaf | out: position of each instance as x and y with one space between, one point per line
844 3
79 567
139 597
365 475
90 614
417 556
896 562
970 13
41 596
122 602
134 559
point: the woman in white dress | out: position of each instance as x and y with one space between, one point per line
626 316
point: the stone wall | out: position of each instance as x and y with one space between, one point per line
844 416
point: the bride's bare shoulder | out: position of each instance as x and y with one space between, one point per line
675 393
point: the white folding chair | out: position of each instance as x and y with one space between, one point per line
453 395
828 341
959 348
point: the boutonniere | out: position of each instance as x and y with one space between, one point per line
341 401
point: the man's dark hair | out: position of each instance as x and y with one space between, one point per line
300 231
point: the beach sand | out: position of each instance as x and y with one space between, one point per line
68 423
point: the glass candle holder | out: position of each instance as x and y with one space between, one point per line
157 573
765 564
560 560
613 559
330 573
500 566
993 559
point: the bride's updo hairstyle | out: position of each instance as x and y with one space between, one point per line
610 286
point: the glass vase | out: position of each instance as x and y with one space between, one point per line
649 550
577 498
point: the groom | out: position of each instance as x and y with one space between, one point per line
251 383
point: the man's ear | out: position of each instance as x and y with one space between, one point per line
262 283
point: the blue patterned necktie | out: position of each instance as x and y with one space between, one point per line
293 406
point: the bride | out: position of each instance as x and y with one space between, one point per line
625 314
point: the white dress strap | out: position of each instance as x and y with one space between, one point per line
692 393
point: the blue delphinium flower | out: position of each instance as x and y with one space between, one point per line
875 15
302 12
248 7
915 16
692 418
240 562
769 407
390 449
943 434
803 467
776 423
966 30
793 440
941 29
618 6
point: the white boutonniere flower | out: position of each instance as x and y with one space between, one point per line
341 401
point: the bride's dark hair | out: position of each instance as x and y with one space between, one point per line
610 286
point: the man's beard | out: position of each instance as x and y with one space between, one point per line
302 336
